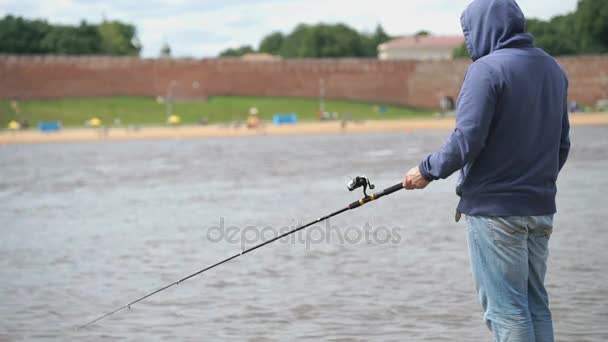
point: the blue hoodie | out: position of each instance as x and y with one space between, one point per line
512 130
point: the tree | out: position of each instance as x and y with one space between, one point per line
461 52
72 40
118 39
322 41
272 43
20 36
337 41
319 41
555 36
238 52
592 24
23 36
371 42
422 33
299 43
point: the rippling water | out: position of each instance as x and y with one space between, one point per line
88 227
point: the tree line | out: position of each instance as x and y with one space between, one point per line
317 41
22 36
584 31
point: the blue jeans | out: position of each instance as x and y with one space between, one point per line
509 262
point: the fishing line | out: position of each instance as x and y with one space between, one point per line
355 183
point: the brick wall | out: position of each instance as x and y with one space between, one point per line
419 84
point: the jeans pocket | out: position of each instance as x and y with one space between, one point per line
543 226
506 231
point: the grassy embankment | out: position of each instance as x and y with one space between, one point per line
74 112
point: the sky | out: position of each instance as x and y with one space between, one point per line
203 28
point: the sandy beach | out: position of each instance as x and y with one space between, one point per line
304 128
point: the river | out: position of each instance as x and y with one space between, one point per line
88 227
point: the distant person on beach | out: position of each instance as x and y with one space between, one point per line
25 124
446 104
345 119
574 107
253 120
510 142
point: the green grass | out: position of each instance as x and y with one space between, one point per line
146 111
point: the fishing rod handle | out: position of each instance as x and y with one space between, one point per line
375 196
392 189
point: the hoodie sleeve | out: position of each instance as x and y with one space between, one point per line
476 106
564 147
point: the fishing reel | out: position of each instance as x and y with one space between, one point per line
360 181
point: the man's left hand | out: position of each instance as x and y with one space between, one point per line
414 180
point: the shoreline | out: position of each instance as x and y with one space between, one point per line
268 129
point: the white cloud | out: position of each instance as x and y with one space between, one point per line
204 28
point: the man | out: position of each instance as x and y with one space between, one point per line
510 142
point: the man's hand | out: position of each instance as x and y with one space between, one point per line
414 180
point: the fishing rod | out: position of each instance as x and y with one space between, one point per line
353 184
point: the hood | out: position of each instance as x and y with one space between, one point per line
490 25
